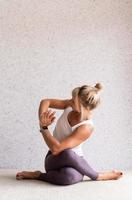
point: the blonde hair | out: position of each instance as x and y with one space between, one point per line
89 96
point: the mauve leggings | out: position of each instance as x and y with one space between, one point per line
66 168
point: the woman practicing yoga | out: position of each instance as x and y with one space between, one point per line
64 162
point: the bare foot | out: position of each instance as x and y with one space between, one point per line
112 175
27 175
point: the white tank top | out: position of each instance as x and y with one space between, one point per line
63 129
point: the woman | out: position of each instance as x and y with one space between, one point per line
65 163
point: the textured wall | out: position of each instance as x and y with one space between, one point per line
46 49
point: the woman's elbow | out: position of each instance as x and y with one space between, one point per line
43 100
55 150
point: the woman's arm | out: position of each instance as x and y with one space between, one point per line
80 134
47 119
53 103
43 107
51 141
75 138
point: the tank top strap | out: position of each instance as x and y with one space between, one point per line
84 122
67 110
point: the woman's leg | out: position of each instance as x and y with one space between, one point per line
68 158
62 176
67 168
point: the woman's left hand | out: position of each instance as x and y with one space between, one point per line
47 118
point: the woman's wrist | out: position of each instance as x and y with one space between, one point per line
43 128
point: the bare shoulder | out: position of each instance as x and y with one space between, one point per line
84 130
59 103
79 135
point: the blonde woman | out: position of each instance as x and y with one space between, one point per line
65 163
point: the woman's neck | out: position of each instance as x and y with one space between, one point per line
86 115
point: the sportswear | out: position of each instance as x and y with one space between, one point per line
64 129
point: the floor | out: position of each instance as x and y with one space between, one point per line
12 189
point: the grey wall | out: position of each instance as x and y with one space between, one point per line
46 49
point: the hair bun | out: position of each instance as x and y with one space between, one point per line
99 86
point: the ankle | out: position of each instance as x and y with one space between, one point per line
100 177
103 176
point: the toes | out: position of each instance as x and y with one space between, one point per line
119 173
19 174
19 177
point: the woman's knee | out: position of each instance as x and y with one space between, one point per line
67 153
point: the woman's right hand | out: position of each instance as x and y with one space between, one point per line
47 118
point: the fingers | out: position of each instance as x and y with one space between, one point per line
53 119
51 114
47 116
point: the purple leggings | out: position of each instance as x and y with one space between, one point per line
66 168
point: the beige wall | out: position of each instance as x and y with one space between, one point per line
46 49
